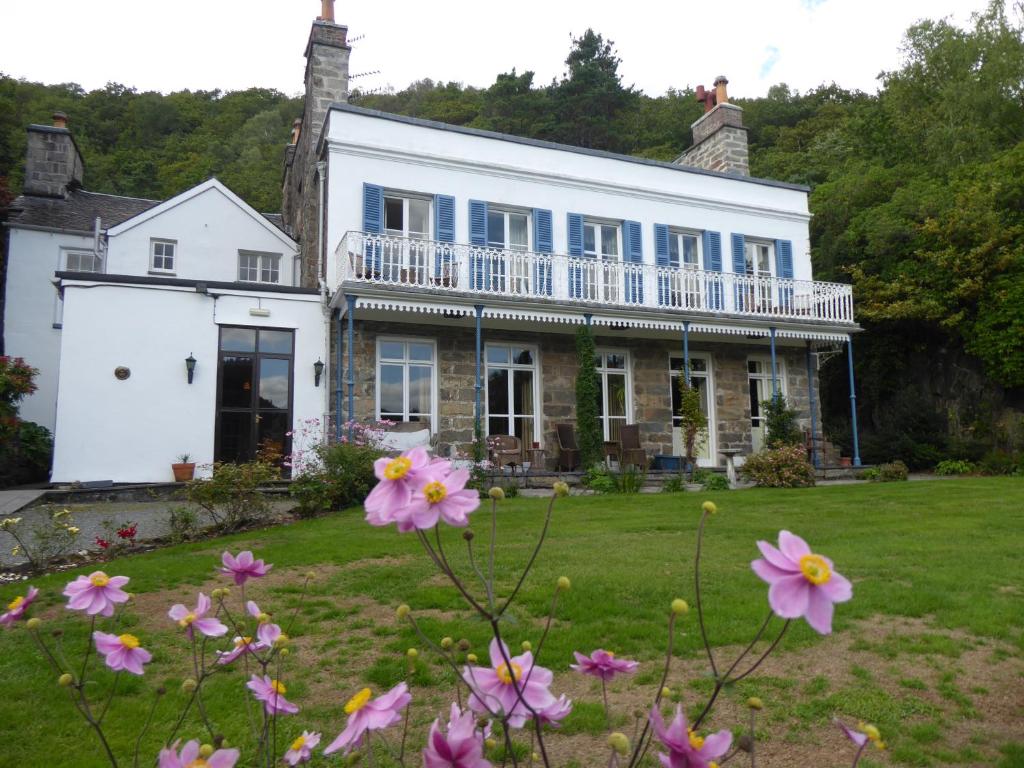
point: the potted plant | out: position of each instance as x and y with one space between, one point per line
183 470
692 422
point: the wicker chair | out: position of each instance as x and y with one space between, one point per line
630 451
505 450
568 450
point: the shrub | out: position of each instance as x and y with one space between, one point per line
692 421
340 476
232 496
511 491
1000 463
894 471
783 467
26 449
588 424
716 482
674 484
51 538
182 524
954 467
781 423
599 479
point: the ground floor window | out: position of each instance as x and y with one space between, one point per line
406 376
700 377
615 404
512 392
759 377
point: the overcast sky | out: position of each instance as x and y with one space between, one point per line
234 44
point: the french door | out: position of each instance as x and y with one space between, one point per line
254 394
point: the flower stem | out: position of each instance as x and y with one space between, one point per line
145 729
640 748
700 609
533 557
856 758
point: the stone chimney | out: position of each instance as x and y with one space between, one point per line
53 164
327 54
719 138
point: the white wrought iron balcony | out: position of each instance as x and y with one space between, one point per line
406 263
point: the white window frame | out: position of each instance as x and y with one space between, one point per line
676 234
510 366
766 377
507 211
66 252
260 266
708 374
405 363
405 197
598 254
759 242
153 268
603 371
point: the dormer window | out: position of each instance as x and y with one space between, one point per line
162 254
255 267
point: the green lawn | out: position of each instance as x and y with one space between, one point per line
946 552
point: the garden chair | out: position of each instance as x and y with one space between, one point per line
568 450
630 451
505 450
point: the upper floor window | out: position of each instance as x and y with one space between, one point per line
82 261
162 254
601 241
759 258
407 216
256 267
684 250
508 230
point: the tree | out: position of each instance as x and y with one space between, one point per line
589 436
692 420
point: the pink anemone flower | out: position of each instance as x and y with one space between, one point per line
301 750
196 618
369 714
556 713
271 693
861 735
242 644
603 664
122 652
394 490
17 607
494 689
686 749
439 494
96 593
461 747
189 757
802 583
243 567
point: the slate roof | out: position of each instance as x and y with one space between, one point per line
80 209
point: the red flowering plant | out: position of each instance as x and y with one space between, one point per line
16 383
117 536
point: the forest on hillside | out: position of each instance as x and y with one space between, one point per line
917 196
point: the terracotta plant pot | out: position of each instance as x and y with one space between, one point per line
845 461
183 472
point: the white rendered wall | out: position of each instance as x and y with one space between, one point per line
132 430
419 159
32 308
209 229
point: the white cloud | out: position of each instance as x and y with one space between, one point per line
771 58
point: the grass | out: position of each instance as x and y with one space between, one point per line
947 552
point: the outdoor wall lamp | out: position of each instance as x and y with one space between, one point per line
318 371
190 366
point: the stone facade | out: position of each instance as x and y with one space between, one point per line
651 381
719 142
327 56
53 163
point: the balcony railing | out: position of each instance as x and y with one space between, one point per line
410 263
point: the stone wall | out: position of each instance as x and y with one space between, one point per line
53 163
557 367
719 142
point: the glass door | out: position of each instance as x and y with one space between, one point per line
700 377
254 394
614 404
407 222
759 375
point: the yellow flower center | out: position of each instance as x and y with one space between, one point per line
435 492
99 579
15 603
129 641
695 741
242 641
358 701
507 677
398 468
199 762
188 619
278 687
815 569
870 731
299 743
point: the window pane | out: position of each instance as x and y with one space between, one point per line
248 266
497 391
393 214
419 389
690 250
235 436
524 431
673 251
610 241
496 229
497 426
754 366
392 350
589 239
276 342
236 382
522 357
615 429
274 382
419 351
616 395
419 217
616 360
518 229
269 272
238 339
391 389
698 364
497 354
271 433
522 391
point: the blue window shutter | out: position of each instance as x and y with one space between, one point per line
373 208
543 242
712 242
575 238
661 259
739 267
633 252
477 236
444 231
784 258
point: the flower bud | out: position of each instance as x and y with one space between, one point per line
225 591
189 685
402 611
679 606
561 488
564 583
666 692
709 507
535 757
464 645
412 653
217 594
496 493
619 742
471 658
205 750
310 575
755 703
65 680
284 651
263 618
33 623
447 643
467 535
490 743
526 645
481 722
